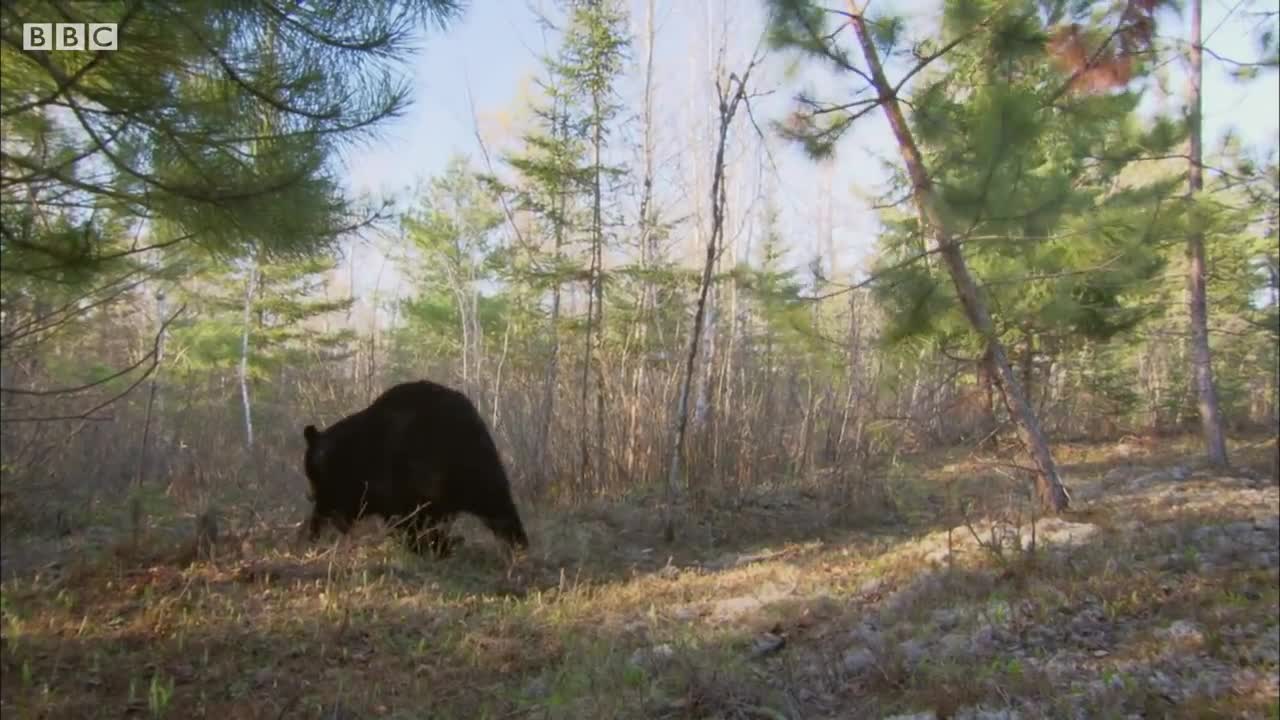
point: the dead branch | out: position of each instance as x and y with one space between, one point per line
152 356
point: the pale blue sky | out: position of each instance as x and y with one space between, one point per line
492 53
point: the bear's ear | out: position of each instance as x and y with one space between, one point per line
310 433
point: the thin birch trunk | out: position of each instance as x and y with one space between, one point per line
250 283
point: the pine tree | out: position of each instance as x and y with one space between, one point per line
286 310
565 182
188 136
594 48
990 83
451 234
549 178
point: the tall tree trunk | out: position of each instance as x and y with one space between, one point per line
586 474
917 388
705 370
551 385
1197 303
250 283
596 356
1053 496
854 361
497 377
803 454
1273 270
372 375
646 238
153 397
1028 367
987 390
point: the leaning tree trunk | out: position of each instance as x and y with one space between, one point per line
1197 305
987 395
1052 494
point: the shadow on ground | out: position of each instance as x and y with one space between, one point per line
1163 608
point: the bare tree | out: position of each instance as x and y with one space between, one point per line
730 94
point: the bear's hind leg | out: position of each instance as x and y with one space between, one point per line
319 522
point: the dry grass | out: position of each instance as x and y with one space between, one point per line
602 620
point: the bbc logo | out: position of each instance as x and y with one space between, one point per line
69 36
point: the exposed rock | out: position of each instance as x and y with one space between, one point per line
938 557
859 661
685 613
954 646
734 560
868 636
730 609
984 714
1148 479
913 651
1242 529
903 600
653 658
1182 631
537 689
947 618
1117 475
767 644
1056 531
1265 560
871 587
983 640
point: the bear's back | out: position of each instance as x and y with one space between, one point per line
418 395
414 422
420 399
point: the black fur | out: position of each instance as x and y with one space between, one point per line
417 456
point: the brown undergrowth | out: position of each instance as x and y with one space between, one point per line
1155 597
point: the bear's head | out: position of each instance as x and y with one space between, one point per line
317 463
314 462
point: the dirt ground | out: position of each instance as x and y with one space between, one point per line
1155 596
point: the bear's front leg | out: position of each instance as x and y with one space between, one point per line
425 534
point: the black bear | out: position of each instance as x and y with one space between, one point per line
417 456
